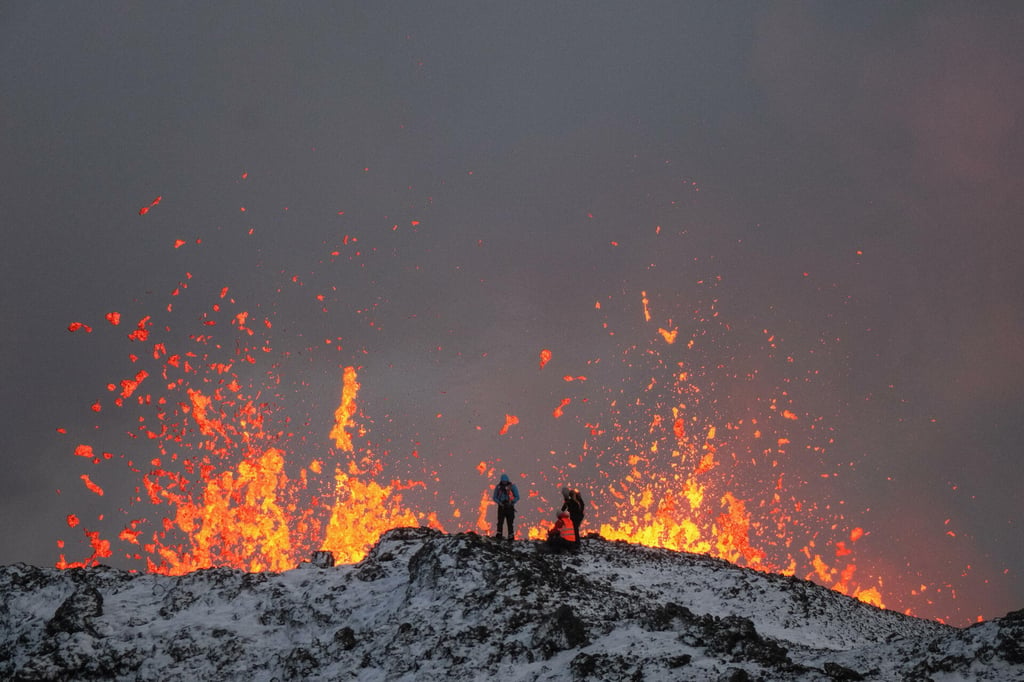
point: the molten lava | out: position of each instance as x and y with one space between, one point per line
684 453
231 495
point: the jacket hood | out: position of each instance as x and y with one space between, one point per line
504 478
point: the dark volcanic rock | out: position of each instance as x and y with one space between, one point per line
424 605
737 638
77 612
563 630
842 673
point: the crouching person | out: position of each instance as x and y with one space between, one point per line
563 536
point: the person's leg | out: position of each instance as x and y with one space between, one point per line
505 520
501 519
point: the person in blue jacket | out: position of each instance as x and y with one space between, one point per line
506 494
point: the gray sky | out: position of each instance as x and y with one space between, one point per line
444 189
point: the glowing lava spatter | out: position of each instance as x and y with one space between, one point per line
683 476
675 474
683 453
362 509
232 502
222 487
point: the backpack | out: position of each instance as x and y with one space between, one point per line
575 500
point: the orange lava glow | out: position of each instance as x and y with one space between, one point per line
510 420
231 472
668 335
346 409
145 209
90 485
560 410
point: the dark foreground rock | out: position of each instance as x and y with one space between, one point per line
424 605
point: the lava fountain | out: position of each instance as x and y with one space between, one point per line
676 443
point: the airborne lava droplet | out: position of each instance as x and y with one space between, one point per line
145 209
90 485
561 407
233 488
510 419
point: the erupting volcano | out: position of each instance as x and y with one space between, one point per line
250 447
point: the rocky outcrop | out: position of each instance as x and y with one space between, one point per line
424 605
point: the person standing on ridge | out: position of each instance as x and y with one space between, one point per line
572 502
506 494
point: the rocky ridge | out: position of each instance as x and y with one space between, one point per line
425 605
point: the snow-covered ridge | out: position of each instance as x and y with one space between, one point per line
427 606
